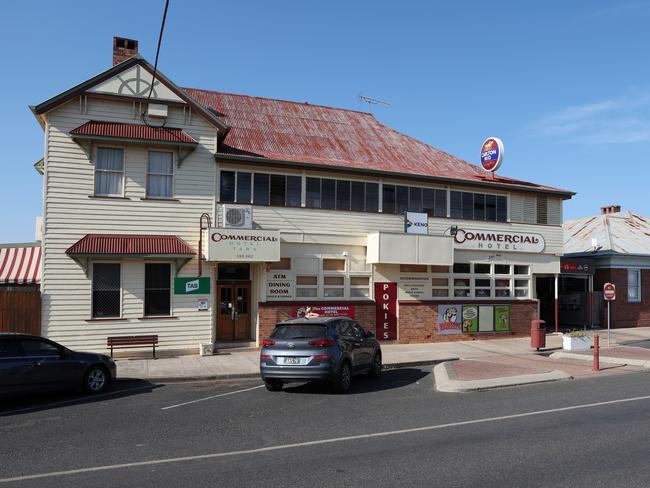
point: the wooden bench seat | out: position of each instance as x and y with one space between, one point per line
124 342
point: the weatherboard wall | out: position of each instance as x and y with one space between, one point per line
71 212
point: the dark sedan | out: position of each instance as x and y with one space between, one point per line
331 349
31 364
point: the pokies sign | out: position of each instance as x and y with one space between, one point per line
491 154
386 303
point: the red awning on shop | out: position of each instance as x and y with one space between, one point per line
130 245
20 265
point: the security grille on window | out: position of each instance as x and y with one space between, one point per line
157 289
633 285
106 290
160 174
109 171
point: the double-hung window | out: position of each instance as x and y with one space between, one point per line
634 285
107 293
109 171
160 174
157 289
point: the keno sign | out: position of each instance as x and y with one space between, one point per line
488 240
247 245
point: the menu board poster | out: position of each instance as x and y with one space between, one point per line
449 319
501 318
470 318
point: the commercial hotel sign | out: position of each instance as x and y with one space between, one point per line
243 245
488 240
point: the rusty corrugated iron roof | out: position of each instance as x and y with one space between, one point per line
135 132
316 134
129 244
20 265
620 232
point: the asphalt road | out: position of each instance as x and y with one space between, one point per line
393 431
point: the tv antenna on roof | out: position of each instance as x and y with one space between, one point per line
372 101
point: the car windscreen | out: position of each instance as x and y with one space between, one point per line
298 331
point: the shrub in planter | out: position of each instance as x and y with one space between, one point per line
576 340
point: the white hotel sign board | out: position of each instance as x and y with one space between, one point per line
490 240
243 245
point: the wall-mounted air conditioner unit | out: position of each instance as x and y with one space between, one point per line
237 216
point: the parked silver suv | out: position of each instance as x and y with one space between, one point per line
322 348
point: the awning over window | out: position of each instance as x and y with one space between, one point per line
93 246
20 265
385 248
130 245
116 131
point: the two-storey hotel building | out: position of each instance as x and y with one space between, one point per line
205 218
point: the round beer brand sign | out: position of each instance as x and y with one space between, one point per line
491 154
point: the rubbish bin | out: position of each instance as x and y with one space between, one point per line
537 334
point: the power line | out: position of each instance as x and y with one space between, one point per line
155 65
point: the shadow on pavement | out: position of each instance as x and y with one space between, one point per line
389 380
36 402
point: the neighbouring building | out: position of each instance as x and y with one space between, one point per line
613 247
207 217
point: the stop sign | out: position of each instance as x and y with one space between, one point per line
609 291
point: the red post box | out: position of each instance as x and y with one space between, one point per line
537 334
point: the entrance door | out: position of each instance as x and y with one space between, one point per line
234 315
545 286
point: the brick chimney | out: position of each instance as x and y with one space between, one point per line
610 209
123 49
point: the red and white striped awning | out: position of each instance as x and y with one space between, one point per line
20 265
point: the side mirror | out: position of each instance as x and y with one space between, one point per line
370 334
64 353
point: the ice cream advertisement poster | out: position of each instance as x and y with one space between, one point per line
470 318
449 319
502 317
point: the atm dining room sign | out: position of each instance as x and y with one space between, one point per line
488 240
243 245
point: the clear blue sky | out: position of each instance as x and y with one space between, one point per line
566 85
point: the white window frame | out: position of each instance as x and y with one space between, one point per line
96 170
172 175
636 271
92 290
301 287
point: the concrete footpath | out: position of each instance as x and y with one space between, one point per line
460 366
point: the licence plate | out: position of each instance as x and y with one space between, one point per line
293 360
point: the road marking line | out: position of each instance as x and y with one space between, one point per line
211 397
317 442
79 400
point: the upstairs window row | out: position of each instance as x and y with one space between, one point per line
109 173
335 194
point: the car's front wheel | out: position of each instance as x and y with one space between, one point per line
375 366
344 378
96 379
273 385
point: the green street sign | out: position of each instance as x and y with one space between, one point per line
192 286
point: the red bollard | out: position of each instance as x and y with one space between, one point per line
596 354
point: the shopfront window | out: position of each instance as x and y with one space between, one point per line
321 277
